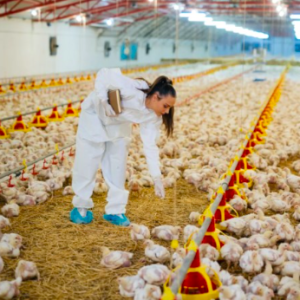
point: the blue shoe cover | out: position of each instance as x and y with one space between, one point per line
77 218
117 219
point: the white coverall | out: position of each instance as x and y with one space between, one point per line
103 139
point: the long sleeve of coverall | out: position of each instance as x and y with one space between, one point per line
149 134
113 79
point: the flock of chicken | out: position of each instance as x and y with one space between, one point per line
207 132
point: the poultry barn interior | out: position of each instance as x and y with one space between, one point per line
221 220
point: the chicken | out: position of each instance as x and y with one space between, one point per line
296 214
288 268
4 222
208 251
156 252
238 203
232 292
194 216
285 231
149 292
258 289
13 239
7 250
155 274
115 259
23 199
27 270
188 231
267 278
251 262
10 210
129 284
178 256
212 265
235 225
226 278
10 289
294 293
232 253
139 232
166 232
68 190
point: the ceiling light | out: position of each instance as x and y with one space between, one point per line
109 22
295 16
34 12
78 18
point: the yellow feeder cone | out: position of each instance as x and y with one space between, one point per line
88 77
23 87
39 120
68 80
70 111
3 134
60 82
19 125
43 84
52 82
2 91
55 116
32 85
12 87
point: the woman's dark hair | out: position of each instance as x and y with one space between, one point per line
164 86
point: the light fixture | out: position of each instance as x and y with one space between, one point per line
178 6
34 12
150 0
193 13
295 16
109 22
78 18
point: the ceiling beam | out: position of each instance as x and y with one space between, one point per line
40 4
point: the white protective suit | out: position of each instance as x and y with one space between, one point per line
105 140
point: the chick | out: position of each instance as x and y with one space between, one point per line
115 259
156 252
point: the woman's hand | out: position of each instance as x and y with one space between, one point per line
108 109
159 187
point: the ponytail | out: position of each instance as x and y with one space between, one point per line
164 86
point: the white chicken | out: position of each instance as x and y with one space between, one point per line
251 262
7 250
232 253
166 232
149 292
178 256
194 216
155 274
208 251
27 270
13 239
4 222
139 232
156 253
115 259
235 225
188 231
129 284
10 289
267 278
232 292
10 210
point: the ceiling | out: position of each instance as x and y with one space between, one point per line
157 19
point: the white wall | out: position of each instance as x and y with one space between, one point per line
24 49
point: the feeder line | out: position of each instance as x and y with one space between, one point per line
223 185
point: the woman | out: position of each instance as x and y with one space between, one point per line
103 137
